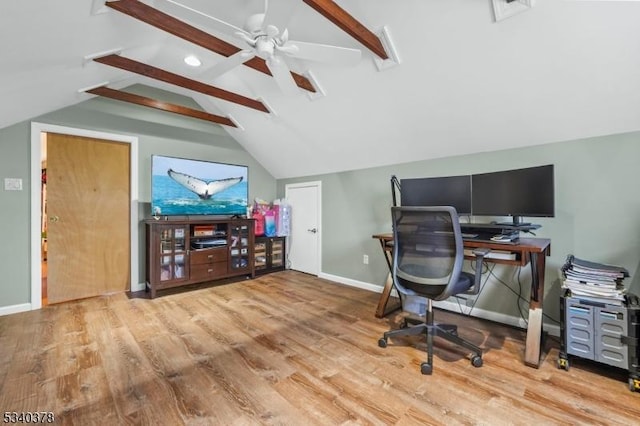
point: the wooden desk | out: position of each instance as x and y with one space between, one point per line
528 251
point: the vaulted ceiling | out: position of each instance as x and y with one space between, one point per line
465 83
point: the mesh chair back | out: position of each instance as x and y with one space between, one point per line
428 251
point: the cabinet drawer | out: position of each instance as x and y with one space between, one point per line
199 257
208 270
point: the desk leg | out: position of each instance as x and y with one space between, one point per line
384 310
534 329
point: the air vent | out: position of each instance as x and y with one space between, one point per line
503 9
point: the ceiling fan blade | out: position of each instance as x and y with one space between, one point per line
195 17
325 53
228 64
279 12
282 75
163 21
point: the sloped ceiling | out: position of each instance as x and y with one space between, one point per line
562 70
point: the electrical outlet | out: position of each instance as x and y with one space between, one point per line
365 259
12 184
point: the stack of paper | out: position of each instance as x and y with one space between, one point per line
594 281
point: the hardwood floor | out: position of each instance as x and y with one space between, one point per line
287 349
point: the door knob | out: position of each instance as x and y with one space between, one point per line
53 219
314 230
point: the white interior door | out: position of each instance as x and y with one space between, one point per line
304 241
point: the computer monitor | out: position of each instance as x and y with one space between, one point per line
438 191
527 192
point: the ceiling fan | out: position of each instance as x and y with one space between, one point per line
265 35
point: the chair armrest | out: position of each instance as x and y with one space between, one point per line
479 253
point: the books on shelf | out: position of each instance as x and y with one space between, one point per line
203 230
593 281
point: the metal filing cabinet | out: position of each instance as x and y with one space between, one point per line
603 332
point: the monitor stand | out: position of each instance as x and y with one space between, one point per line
516 221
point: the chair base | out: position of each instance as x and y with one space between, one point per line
448 332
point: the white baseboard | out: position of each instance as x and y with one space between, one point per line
138 287
552 329
14 309
451 306
518 322
353 283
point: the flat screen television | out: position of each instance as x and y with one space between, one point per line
181 186
518 193
438 191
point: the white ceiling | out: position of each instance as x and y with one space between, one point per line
562 70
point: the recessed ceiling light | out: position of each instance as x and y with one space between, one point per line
192 60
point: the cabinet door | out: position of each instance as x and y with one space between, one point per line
277 253
172 256
260 254
579 329
239 249
611 324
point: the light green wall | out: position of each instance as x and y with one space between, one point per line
14 214
597 200
597 212
158 133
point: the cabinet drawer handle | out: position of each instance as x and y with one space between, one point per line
210 256
209 271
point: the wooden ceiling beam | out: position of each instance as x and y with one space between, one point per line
154 17
350 25
160 105
178 80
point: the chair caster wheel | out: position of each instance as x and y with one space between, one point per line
476 361
426 368
382 342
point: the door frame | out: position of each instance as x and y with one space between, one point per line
318 185
37 129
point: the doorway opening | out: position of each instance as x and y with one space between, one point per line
43 220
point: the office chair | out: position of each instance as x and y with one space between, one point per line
427 262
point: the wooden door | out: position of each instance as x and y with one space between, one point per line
88 209
304 242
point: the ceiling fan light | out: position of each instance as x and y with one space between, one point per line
192 60
265 48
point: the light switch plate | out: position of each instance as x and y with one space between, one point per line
12 184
